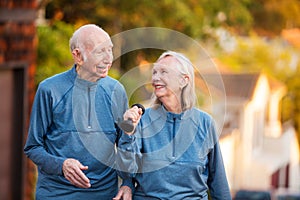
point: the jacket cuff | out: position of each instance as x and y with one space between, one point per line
128 182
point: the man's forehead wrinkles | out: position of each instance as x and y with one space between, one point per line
102 46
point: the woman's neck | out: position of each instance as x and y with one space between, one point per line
172 104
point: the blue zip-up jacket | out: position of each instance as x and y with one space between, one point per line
74 118
174 156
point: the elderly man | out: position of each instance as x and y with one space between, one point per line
74 124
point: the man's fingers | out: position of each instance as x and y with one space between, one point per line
75 180
83 167
81 177
72 170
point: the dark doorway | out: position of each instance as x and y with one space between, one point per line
12 129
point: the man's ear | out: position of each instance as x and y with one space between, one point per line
77 56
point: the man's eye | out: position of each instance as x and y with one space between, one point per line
99 52
109 50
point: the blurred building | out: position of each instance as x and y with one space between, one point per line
17 67
260 153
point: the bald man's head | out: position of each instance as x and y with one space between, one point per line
87 36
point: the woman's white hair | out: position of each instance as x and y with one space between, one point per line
188 95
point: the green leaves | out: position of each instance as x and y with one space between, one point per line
54 55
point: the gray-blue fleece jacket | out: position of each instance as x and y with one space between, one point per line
174 156
74 118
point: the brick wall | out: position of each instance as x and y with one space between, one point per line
18 42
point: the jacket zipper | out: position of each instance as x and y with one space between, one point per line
174 131
89 108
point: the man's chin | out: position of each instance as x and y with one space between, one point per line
103 75
102 72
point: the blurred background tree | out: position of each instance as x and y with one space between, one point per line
245 35
53 53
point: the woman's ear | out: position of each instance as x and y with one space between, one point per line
77 56
184 81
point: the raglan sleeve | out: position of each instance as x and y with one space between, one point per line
217 180
40 121
128 157
123 158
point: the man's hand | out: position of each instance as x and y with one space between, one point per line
124 193
72 170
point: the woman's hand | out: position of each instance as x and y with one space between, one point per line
134 114
124 193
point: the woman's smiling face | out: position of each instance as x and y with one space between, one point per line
166 78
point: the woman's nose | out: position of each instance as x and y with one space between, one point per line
154 77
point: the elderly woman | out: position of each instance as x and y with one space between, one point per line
173 153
